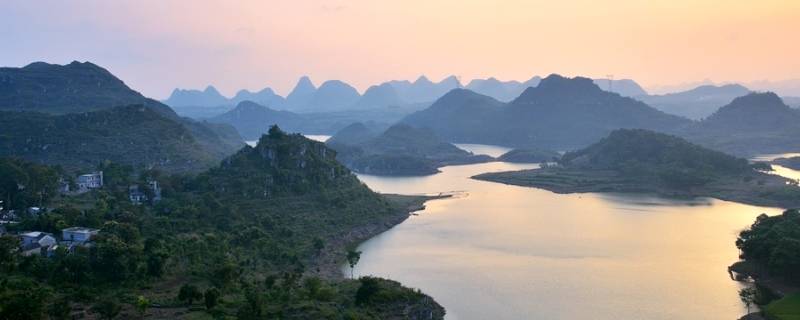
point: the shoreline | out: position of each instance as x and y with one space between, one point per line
756 191
745 271
329 263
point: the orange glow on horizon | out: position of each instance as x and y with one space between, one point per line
251 44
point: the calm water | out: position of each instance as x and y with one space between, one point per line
506 252
494 151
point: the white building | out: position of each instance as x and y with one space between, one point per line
34 241
78 234
92 180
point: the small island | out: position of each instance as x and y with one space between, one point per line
529 156
401 150
791 163
642 161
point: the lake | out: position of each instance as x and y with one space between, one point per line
506 252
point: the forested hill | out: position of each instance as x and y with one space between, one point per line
643 161
135 135
77 114
639 152
260 236
72 88
753 124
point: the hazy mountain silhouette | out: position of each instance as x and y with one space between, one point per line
423 89
460 116
265 97
500 90
253 120
752 124
380 96
624 87
696 103
793 102
302 94
560 113
508 90
209 97
354 134
333 95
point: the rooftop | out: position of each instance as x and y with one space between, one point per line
80 230
33 234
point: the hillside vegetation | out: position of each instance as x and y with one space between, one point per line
262 235
134 135
78 115
635 160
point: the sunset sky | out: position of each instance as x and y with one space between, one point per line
156 46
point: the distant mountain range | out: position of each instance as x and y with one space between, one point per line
337 96
331 96
78 115
566 114
559 114
696 103
252 119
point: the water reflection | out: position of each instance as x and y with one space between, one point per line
492 151
508 252
317 137
773 156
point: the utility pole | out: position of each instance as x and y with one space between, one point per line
610 82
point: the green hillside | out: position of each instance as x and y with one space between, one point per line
262 235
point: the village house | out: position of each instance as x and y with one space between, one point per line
92 180
78 234
63 185
137 195
34 241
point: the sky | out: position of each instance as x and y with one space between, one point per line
155 46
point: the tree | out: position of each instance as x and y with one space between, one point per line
107 308
211 298
22 299
8 252
225 275
748 296
188 293
142 303
352 259
253 308
312 285
319 244
369 287
60 309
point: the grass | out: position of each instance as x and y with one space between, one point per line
787 308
